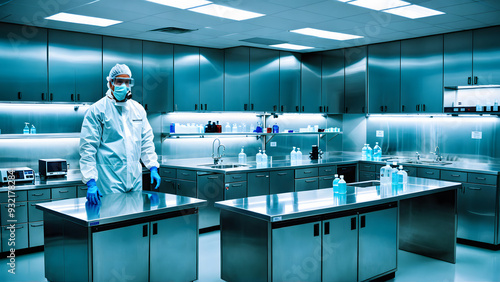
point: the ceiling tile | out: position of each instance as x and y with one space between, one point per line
283 24
408 25
262 31
295 3
439 19
193 18
257 6
334 9
463 24
492 18
466 9
160 22
304 16
235 27
427 31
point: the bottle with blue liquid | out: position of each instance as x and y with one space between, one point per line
394 177
335 184
377 153
342 186
364 152
26 129
276 128
369 153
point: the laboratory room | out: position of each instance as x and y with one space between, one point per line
250 140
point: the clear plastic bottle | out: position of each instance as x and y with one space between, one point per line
363 152
394 175
33 129
242 157
342 185
264 159
293 157
402 178
335 184
235 128
385 174
377 152
495 106
369 153
299 156
26 129
227 128
258 158
244 128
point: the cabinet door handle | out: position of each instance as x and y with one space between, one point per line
282 173
455 175
36 225
469 80
307 172
316 229
72 97
185 173
320 109
51 96
37 195
475 79
381 108
168 181
417 107
43 96
252 107
429 172
212 177
346 110
155 228
84 188
474 188
78 97
310 181
297 108
423 107
363 221
146 107
275 107
363 109
201 107
261 175
327 178
245 107
195 107
480 178
64 191
236 185
327 228
19 96
282 108
385 108
237 177
353 223
327 170
403 108
303 109
145 231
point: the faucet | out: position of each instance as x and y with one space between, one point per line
217 156
417 157
437 154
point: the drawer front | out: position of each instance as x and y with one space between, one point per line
167 172
35 214
81 191
20 213
186 188
39 194
480 178
238 177
21 237
282 181
306 184
19 196
306 172
327 170
366 175
35 234
326 182
186 174
64 192
367 167
411 170
168 185
428 173
235 190
456 176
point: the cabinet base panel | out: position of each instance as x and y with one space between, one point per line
386 277
209 229
478 244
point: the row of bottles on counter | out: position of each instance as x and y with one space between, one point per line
369 154
27 129
339 185
215 127
296 156
392 176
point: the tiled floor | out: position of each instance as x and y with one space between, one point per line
473 264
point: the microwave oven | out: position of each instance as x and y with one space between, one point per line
52 167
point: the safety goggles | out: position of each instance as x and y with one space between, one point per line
118 81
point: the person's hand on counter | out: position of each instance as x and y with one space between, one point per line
155 177
93 194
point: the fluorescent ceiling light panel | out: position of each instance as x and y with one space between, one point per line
325 34
181 4
291 46
79 19
379 5
226 12
414 12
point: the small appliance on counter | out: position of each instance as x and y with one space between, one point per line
20 174
316 153
52 167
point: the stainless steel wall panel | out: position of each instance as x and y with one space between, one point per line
211 79
486 46
355 133
237 79
290 82
264 79
355 79
332 81
186 78
310 97
458 58
158 76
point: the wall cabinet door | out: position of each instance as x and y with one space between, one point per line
355 80
310 97
237 79
186 78
289 82
258 184
422 75
23 53
332 82
458 58
75 67
384 77
158 69
211 79
476 213
486 56
286 254
123 51
264 80
281 181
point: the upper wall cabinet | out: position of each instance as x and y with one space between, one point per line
384 77
458 59
422 75
289 82
332 82
158 66
311 83
211 79
355 80
237 79
186 78
264 80
486 54
23 56
75 67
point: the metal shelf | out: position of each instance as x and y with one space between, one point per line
249 134
40 136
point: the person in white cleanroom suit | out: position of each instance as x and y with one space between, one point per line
115 136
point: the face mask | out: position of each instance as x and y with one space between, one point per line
120 92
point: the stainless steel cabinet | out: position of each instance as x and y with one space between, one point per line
22 241
81 191
186 78
35 234
75 66
173 249
325 182
35 214
310 97
264 80
211 79
210 188
384 77
158 70
123 51
476 212
186 188
20 212
332 82
236 79
289 82
458 58
377 239
428 173
305 184
422 75
63 193
287 255
281 181
258 184
23 53
168 185
235 190
355 80
486 56
340 249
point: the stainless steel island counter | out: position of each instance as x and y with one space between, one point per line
318 236
146 236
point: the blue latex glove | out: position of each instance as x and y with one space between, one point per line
155 176
93 194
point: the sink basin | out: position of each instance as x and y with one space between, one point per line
430 162
369 183
224 166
